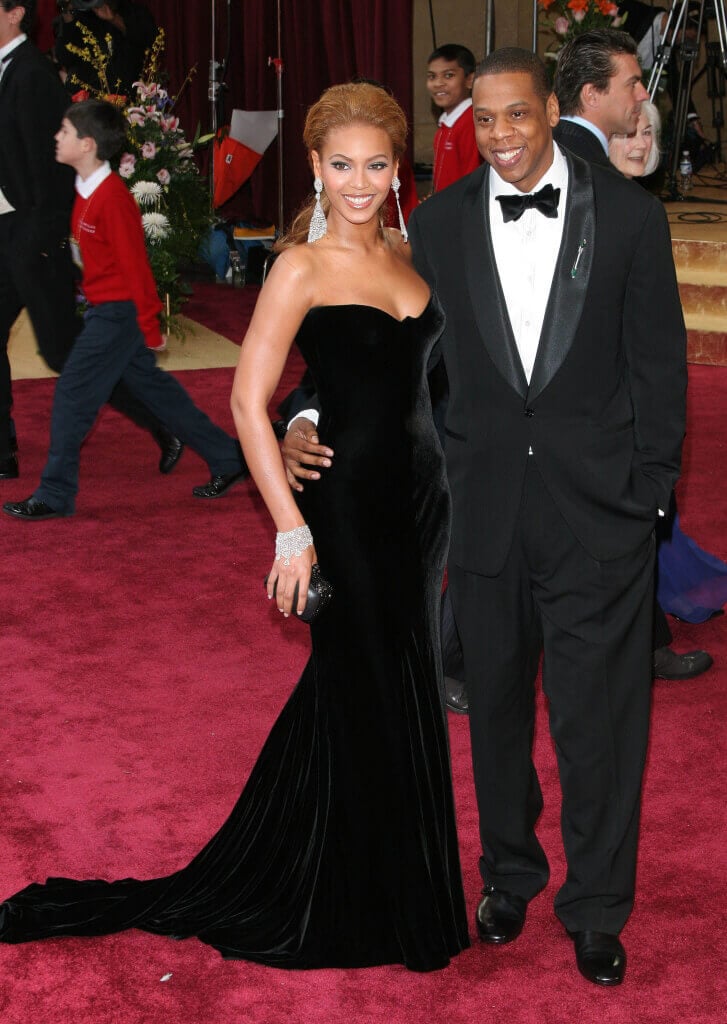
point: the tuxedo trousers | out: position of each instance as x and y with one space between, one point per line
592 622
43 284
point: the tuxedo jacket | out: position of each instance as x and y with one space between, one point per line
604 409
32 104
581 141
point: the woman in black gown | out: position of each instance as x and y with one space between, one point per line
341 850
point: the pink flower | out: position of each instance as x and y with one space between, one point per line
134 117
164 176
127 165
579 15
561 26
169 124
148 150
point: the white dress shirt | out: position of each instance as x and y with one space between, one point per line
526 251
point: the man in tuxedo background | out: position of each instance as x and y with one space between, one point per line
590 113
600 92
563 432
36 195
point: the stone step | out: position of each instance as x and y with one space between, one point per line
701 266
705 308
707 347
700 263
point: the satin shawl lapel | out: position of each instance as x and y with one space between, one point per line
570 278
488 300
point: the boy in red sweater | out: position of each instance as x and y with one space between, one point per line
450 72
121 325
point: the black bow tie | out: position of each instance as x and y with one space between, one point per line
546 201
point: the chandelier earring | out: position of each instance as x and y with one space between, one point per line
318 224
396 185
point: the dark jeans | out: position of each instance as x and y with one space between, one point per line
109 349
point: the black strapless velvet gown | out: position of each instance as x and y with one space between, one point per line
341 850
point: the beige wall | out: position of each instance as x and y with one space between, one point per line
459 21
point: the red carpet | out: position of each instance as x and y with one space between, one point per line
142 670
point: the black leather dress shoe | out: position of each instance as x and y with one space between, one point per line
500 916
32 508
455 695
600 957
220 484
670 665
9 468
172 449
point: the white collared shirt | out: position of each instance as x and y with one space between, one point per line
450 118
526 251
87 186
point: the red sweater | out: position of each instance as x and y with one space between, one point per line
455 151
109 232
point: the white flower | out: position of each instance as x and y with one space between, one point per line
156 226
146 193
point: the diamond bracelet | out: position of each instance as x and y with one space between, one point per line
292 543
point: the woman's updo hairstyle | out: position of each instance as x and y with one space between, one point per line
340 107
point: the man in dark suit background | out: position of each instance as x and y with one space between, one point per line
563 438
36 195
579 88
600 92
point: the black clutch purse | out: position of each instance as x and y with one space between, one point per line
320 593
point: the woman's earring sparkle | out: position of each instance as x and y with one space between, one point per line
396 185
318 224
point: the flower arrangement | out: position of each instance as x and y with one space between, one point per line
567 18
158 167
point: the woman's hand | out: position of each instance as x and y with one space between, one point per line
287 576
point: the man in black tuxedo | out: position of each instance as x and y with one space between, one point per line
36 195
563 437
589 116
563 433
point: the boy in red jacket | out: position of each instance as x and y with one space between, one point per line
121 324
450 72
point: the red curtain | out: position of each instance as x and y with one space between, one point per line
323 42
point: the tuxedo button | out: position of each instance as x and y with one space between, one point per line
529 412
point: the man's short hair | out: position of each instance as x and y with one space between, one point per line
514 60
587 59
102 122
454 52
28 18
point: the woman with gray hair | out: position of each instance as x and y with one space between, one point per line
637 155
